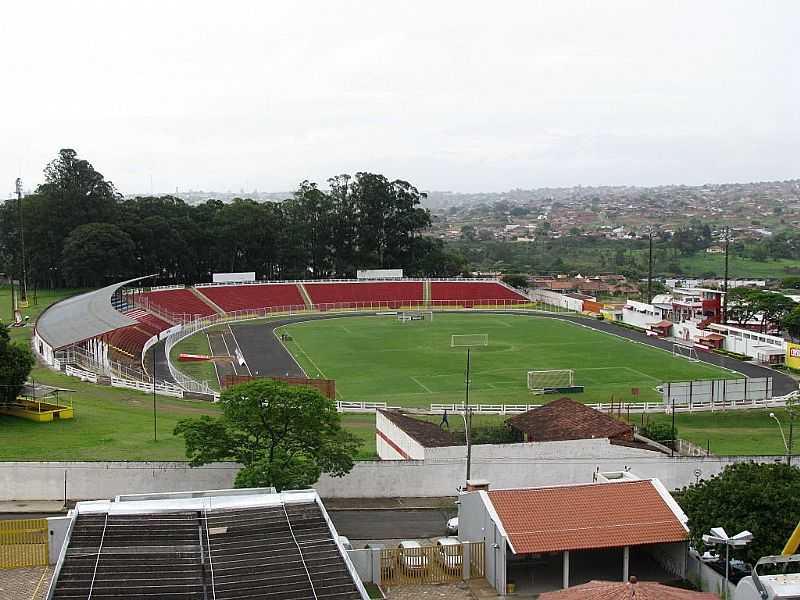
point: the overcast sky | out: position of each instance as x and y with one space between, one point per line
464 96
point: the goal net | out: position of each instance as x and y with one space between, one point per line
414 315
539 381
687 352
469 340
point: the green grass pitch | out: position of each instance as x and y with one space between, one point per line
379 359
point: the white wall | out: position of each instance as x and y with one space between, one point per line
596 448
556 299
640 314
372 479
412 448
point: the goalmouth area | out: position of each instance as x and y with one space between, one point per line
414 363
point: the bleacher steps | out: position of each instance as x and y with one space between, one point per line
206 300
304 293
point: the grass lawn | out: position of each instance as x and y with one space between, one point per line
44 298
199 371
740 267
412 364
750 432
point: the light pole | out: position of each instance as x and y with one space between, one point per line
786 445
719 536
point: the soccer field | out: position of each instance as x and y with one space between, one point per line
379 359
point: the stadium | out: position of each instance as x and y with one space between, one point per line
374 343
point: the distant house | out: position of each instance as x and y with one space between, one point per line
560 428
545 538
715 250
566 419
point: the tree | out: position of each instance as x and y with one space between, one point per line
517 281
762 498
468 233
16 362
743 304
791 324
791 283
283 436
96 253
774 308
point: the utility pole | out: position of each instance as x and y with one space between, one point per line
468 415
650 270
725 282
23 285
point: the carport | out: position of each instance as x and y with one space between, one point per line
544 539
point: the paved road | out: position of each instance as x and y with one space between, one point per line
391 524
266 354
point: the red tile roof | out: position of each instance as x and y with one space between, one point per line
613 590
577 517
565 419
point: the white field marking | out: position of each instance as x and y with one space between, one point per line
638 372
346 330
311 360
280 341
420 384
216 369
238 347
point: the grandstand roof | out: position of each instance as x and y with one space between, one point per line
82 317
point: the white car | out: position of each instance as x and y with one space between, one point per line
412 557
452 526
448 553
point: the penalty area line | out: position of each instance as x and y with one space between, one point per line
420 384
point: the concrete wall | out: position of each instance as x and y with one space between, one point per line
556 299
640 314
367 563
706 578
88 481
57 535
595 448
372 479
392 443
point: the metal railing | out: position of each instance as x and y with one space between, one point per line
24 543
428 565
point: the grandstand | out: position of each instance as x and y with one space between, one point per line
356 294
180 302
474 293
230 544
231 298
108 331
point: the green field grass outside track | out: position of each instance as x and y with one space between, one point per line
379 359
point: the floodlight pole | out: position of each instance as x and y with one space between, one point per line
155 427
467 416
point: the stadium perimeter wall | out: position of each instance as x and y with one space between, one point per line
373 479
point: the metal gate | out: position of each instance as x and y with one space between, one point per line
430 564
24 543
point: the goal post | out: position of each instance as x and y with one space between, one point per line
469 340
554 379
683 351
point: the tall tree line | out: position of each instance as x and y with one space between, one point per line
81 232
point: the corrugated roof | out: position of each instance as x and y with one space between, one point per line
565 419
578 517
613 590
82 317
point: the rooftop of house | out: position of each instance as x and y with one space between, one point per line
618 590
566 419
588 516
428 434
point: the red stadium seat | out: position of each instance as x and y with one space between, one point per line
179 302
471 293
243 297
392 294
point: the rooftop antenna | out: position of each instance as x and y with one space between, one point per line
23 291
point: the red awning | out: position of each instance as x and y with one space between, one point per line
713 337
661 325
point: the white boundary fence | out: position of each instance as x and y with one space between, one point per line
718 392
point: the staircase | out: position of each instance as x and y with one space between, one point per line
207 301
306 298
